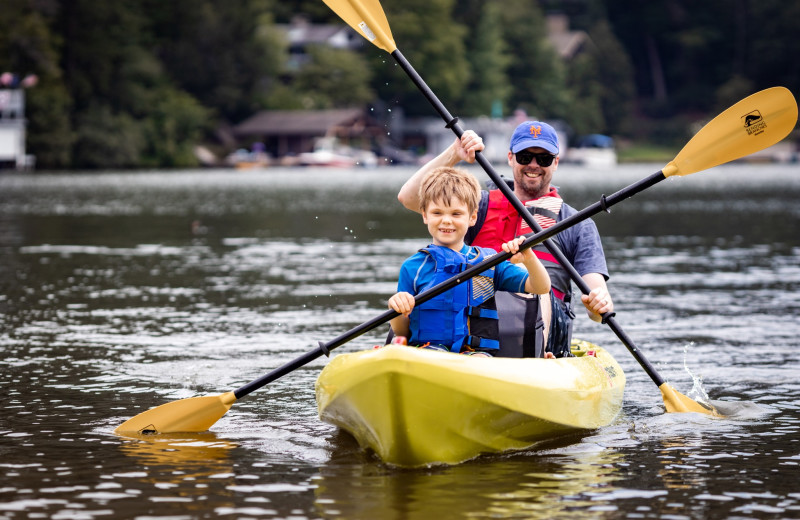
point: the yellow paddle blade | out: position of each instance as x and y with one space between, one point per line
676 402
196 414
368 19
754 123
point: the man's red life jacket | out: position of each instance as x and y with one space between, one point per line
503 223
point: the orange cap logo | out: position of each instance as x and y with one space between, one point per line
536 131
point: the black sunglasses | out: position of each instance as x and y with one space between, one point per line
542 159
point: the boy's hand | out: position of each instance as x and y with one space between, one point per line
512 246
402 303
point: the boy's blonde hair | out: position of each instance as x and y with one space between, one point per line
445 183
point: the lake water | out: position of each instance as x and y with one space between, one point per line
124 291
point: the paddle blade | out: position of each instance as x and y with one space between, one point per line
368 19
754 123
676 402
196 414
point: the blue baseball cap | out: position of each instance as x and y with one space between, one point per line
534 134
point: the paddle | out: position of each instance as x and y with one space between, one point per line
197 414
722 140
744 124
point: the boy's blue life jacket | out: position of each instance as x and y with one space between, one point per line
463 318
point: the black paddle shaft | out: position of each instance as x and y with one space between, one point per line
452 123
540 236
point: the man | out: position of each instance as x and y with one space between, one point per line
527 329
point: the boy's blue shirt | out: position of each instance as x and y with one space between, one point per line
418 269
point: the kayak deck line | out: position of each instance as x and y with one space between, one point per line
417 407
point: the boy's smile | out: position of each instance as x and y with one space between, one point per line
448 223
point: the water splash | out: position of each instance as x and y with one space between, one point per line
740 410
698 393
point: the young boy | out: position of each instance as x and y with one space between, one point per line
463 319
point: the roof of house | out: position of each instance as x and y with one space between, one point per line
567 43
302 32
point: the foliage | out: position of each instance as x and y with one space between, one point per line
490 88
433 42
135 83
614 77
537 76
334 78
49 134
220 52
173 126
107 140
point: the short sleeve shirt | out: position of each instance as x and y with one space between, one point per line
417 271
580 243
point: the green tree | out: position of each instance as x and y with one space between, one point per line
537 75
613 73
335 78
223 53
317 10
490 87
174 125
128 112
106 139
767 32
585 92
50 134
433 42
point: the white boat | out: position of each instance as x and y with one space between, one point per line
329 152
593 151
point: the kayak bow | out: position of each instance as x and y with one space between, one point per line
416 407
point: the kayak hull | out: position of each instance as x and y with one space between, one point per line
416 407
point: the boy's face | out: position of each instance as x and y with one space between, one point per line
448 223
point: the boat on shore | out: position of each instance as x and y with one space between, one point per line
593 151
417 407
329 152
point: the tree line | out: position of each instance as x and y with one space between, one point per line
138 83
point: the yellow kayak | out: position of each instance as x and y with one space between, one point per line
416 407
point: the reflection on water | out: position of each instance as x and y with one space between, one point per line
550 483
183 468
123 291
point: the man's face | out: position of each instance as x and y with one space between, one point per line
531 180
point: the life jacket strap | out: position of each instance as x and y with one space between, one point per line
481 312
475 342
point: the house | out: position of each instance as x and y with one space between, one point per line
430 135
12 129
301 33
565 42
292 132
